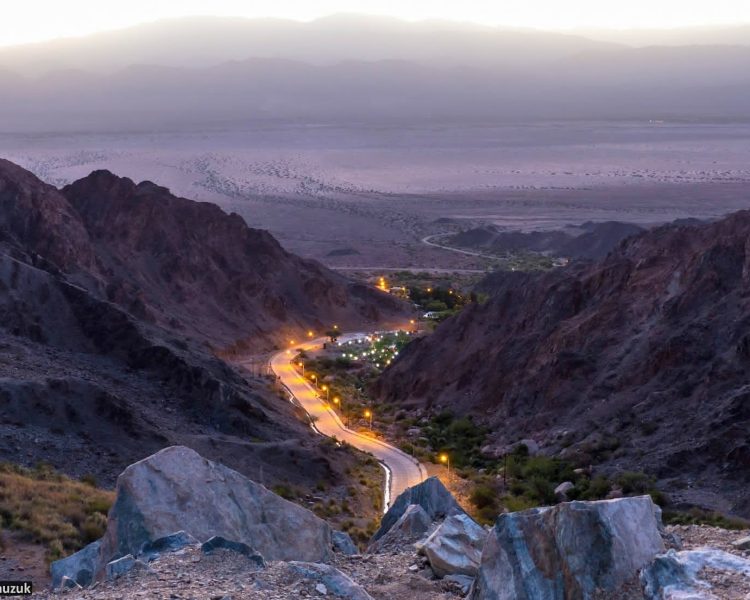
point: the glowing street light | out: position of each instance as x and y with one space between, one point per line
314 378
327 391
368 415
310 334
446 460
301 365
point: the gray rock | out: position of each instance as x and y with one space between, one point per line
168 543
742 543
321 589
568 551
411 527
431 495
178 490
344 544
219 543
66 583
561 491
79 567
531 446
118 568
455 547
462 582
674 575
335 582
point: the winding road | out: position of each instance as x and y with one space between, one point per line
402 470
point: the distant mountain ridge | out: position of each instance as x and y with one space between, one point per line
348 70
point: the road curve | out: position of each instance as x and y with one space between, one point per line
404 471
428 240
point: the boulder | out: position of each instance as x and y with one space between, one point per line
455 547
219 543
462 582
344 544
169 543
78 568
742 543
431 495
118 568
334 581
176 489
572 550
561 491
674 575
411 527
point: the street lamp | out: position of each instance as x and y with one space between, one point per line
314 378
310 334
446 460
301 365
368 415
327 391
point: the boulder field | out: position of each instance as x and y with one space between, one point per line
175 509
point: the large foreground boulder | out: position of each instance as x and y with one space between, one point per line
431 495
455 547
176 489
572 550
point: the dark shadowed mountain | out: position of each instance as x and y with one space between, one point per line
637 362
111 297
588 241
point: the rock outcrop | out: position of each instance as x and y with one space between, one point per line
572 550
455 547
436 501
79 568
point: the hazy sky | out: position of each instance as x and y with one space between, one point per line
32 20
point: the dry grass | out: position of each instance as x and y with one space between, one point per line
51 509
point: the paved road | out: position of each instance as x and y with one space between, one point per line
428 240
411 269
403 470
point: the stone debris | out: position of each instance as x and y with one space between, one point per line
411 527
431 495
455 547
343 543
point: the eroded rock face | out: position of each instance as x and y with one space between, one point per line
431 495
455 547
571 550
178 490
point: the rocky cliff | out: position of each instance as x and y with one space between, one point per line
637 362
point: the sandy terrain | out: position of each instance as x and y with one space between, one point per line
379 191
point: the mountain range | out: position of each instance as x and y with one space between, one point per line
216 71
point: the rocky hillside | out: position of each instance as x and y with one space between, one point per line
112 296
183 265
182 526
587 241
638 362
